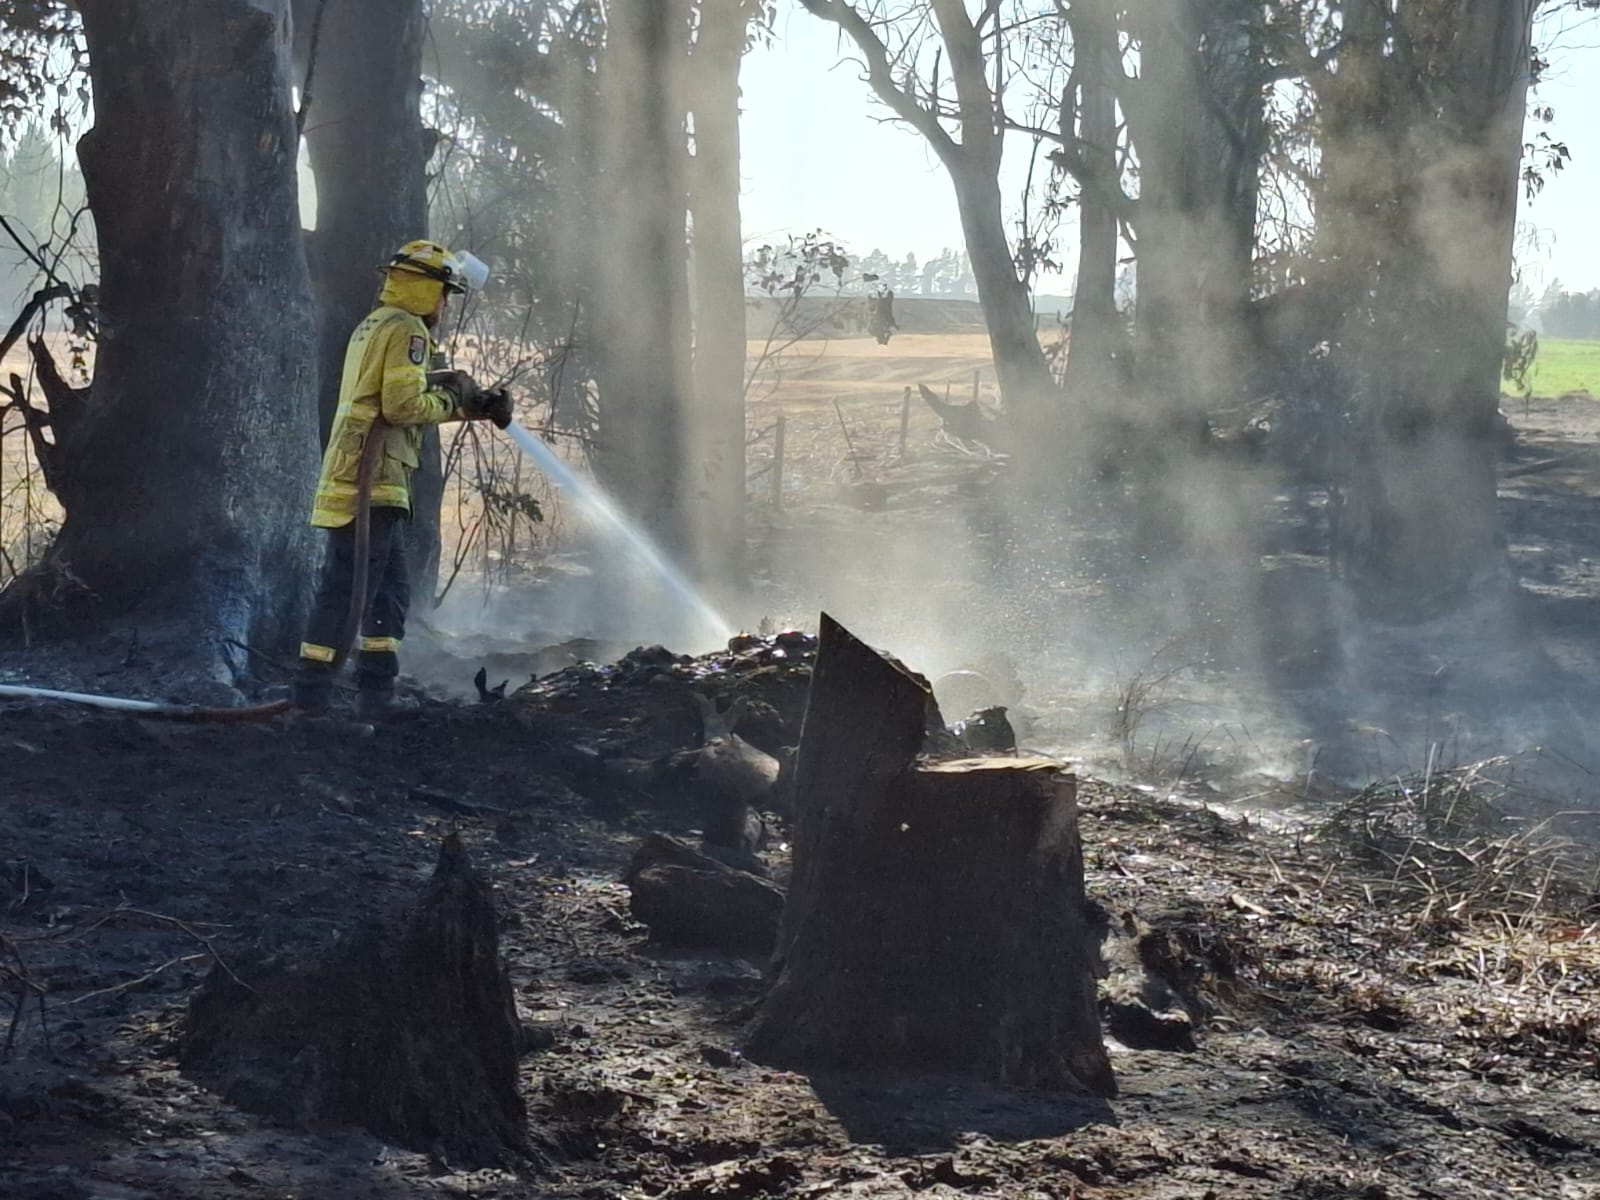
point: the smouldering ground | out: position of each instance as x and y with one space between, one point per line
1367 1028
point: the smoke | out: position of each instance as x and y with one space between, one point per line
1264 538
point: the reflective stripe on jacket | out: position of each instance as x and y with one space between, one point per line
385 370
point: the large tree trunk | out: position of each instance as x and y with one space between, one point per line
974 166
1196 115
1419 526
716 429
973 163
369 153
641 320
1019 363
936 918
194 460
1088 120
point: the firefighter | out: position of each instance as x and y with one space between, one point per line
385 374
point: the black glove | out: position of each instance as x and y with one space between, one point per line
460 385
494 405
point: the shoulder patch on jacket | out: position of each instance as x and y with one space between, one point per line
419 349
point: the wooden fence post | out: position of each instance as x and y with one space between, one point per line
777 463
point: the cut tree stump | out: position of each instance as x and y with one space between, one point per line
936 917
405 1027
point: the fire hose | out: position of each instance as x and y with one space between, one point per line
259 712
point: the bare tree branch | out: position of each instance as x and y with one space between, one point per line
880 73
976 102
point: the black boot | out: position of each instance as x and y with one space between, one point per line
312 693
377 705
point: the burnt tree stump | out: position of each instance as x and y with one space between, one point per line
405 1027
936 917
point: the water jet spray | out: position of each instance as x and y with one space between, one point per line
595 503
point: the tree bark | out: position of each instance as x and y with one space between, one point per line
1197 117
716 434
1019 363
362 97
1421 184
192 463
642 317
936 917
1088 122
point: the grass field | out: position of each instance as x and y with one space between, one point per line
1566 366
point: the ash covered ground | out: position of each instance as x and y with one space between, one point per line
1352 1029
1353 946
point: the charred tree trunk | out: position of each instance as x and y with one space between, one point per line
1422 209
406 1027
1197 118
191 464
642 318
936 918
1088 125
361 101
1195 115
716 433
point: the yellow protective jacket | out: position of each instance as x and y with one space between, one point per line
385 371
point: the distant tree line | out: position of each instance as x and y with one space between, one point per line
948 273
1564 314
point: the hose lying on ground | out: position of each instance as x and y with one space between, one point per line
146 708
256 712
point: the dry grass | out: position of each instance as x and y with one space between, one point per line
1468 839
1150 687
1493 969
867 382
29 514
1466 877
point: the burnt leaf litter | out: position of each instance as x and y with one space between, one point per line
1396 1003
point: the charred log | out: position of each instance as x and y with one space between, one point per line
690 899
64 414
969 422
64 403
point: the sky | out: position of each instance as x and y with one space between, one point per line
818 152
